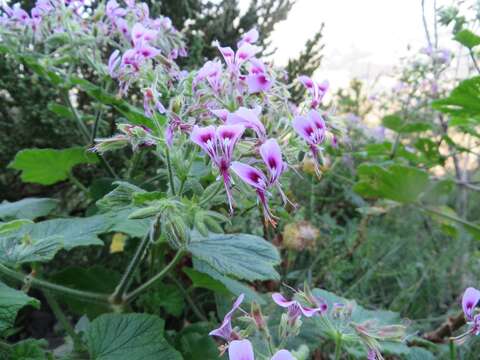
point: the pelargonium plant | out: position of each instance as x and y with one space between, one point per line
233 115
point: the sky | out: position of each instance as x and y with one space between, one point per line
363 38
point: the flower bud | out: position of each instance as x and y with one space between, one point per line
300 236
258 317
176 231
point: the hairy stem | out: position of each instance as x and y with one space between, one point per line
62 319
132 295
170 173
46 285
122 287
338 346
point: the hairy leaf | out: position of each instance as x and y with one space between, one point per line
243 256
11 301
128 336
28 208
14 250
49 166
398 182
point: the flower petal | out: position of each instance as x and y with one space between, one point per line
228 136
272 157
304 127
205 137
283 355
250 175
249 118
240 350
470 299
280 300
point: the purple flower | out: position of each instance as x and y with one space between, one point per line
234 60
257 179
272 157
113 62
114 11
211 71
312 129
219 144
257 79
295 309
283 355
316 90
250 37
222 114
470 299
248 118
225 330
151 103
243 350
141 34
240 350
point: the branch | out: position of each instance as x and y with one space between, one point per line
445 330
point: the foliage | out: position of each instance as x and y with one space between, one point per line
187 183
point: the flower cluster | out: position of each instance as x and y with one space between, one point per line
238 348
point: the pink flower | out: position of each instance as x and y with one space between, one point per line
219 144
257 79
256 179
312 129
248 118
316 90
225 330
243 350
470 299
295 309
210 71
234 60
250 37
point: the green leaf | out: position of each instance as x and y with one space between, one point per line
168 297
233 286
49 166
29 349
11 301
60 110
195 343
467 38
464 100
243 256
95 279
119 198
13 226
74 231
398 182
204 281
15 251
128 336
28 208
395 123
121 222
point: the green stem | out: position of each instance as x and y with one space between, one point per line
451 217
46 285
170 173
118 295
132 295
212 195
76 115
189 299
62 319
133 162
338 346
453 355
77 183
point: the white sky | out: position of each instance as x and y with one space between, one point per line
363 38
